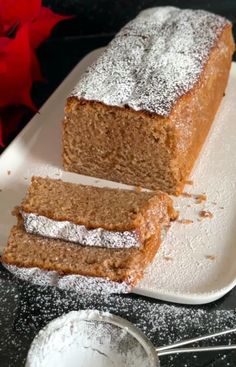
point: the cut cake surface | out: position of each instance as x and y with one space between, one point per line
141 112
120 265
93 216
111 209
148 213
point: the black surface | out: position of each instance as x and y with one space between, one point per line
106 16
22 313
25 309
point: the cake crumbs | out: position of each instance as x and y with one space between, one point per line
168 258
185 221
200 198
186 194
205 214
210 257
176 215
138 189
189 182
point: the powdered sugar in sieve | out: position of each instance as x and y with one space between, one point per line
86 338
89 338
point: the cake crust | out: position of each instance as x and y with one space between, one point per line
154 60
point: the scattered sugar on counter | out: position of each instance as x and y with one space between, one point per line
34 307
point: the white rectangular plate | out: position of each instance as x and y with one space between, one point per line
196 262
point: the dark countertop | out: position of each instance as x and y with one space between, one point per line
24 308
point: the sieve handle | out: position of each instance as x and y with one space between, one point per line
196 350
160 350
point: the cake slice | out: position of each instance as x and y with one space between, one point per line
34 253
141 113
120 266
93 216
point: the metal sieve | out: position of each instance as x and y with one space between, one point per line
89 338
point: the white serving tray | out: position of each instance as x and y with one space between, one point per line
196 262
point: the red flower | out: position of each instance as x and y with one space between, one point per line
13 12
24 25
41 26
16 78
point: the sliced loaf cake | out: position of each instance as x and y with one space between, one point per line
89 234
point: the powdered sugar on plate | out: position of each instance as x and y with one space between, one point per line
194 264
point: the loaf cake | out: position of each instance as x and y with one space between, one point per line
141 112
52 239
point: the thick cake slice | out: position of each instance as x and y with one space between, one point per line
93 216
140 114
127 229
122 266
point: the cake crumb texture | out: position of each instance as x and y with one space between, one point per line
142 111
120 265
94 207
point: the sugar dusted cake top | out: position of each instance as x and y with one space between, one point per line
153 61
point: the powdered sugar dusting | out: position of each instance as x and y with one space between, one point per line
85 339
68 231
25 309
153 60
78 283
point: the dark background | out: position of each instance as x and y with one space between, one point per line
24 309
96 23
